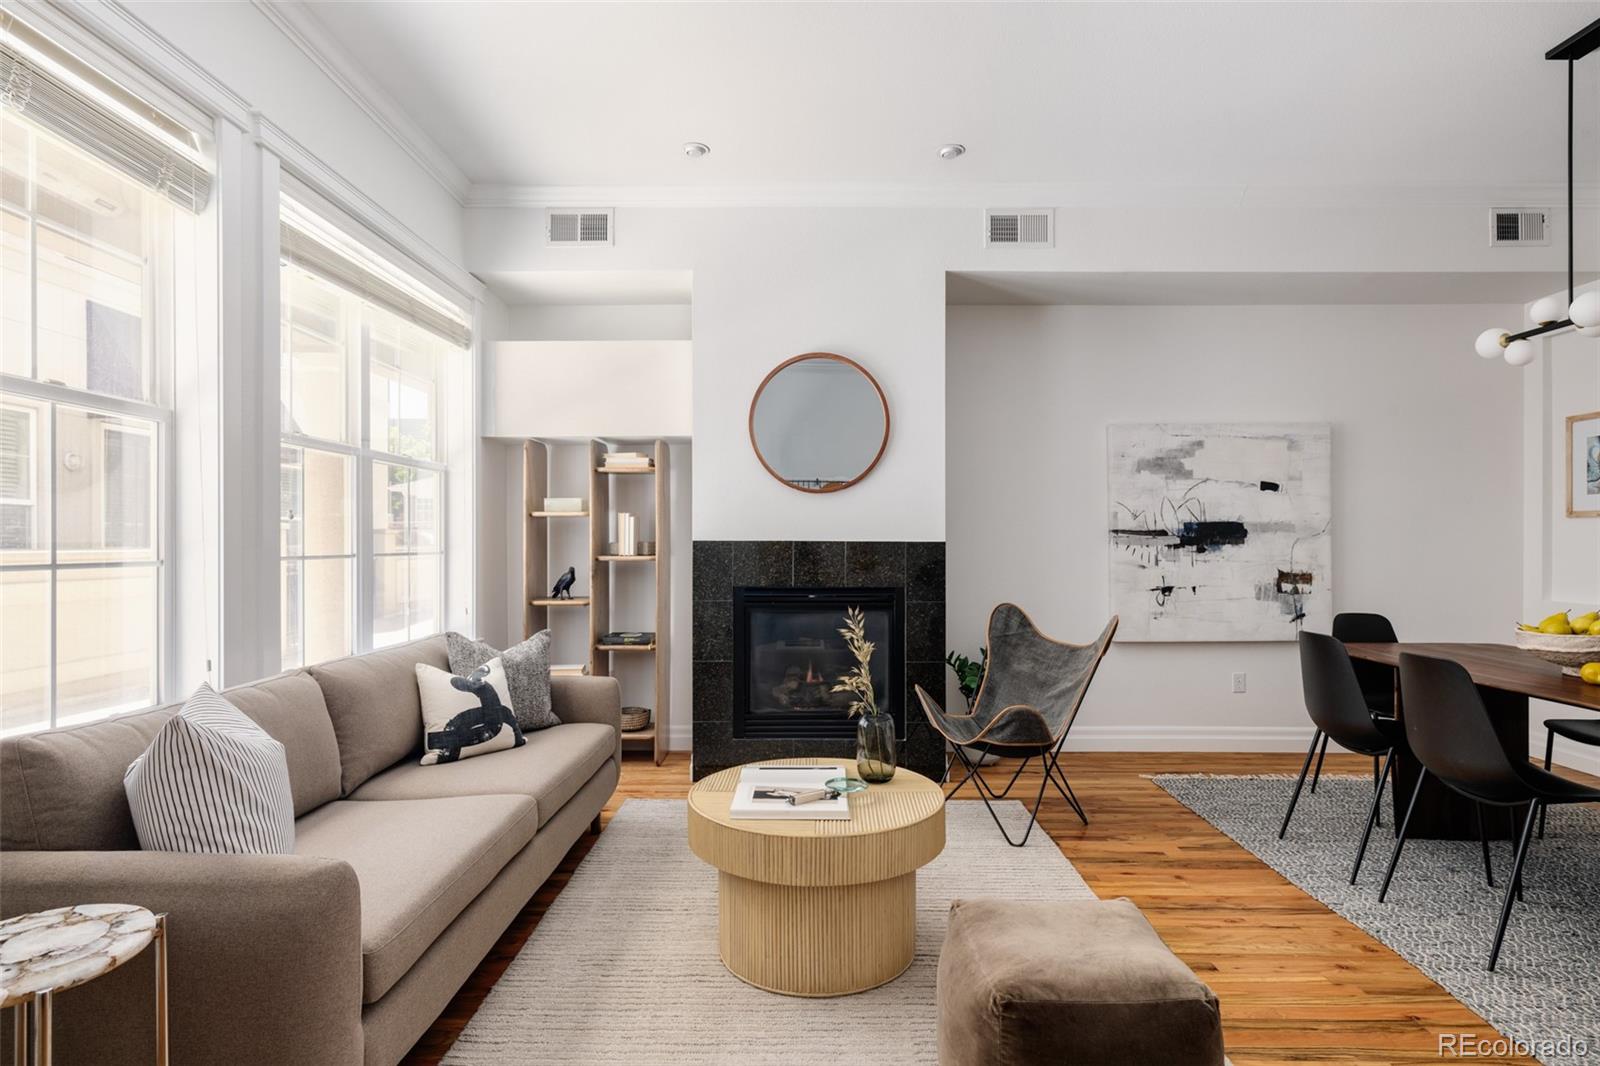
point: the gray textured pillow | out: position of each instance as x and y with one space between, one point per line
527 672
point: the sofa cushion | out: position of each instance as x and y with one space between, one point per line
550 767
376 711
290 708
213 782
61 789
527 668
466 716
419 863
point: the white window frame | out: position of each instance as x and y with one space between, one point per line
157 327
364 455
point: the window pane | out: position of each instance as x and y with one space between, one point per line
315 358
90 316
15 160
24 650
107 619
316 599
24 481
403 398
405 508
105 486
314 502
16 296
407 591
85 197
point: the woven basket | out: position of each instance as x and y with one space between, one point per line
1567 652
635 718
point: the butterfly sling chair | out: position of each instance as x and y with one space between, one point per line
1029 696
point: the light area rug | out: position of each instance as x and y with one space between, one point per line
624 967
1440 914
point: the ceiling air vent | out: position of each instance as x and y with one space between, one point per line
578 225
1027 227
1519 225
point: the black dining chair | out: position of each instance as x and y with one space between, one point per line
1334 701
1377 680
1582 730
1449 730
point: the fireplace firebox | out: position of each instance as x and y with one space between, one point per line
788 654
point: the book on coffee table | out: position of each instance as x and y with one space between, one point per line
764 792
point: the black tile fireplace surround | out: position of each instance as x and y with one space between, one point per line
888 574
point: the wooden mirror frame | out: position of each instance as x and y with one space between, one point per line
834 357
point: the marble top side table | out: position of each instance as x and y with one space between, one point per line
51 951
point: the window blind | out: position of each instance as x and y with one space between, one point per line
54 89
310 242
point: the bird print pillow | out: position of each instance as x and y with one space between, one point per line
469 715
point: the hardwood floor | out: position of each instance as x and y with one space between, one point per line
1297 982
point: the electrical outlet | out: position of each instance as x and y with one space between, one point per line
1238 681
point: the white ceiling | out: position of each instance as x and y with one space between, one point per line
1194 94
590 287
1239 289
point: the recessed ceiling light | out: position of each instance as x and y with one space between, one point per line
952 151
694 149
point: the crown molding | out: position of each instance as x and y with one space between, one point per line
141 56
303 164
297 22
1084 195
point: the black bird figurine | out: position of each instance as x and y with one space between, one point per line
563 588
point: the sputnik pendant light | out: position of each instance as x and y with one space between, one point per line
1581 313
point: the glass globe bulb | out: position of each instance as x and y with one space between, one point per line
1585 310
1588 331
1549 309
1488 343
1519 353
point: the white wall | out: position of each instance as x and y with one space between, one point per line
1426 483
600 322
1561 560
638 388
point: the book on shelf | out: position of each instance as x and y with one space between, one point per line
764 792
617 638
563 504
626 461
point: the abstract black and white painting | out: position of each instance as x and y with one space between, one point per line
1220 532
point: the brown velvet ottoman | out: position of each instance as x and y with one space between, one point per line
1083 983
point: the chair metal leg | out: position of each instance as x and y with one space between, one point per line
985 792
43 1028
1516 881
1058 777
1549 754
1372 816
1003 793
1483 839
1400 841
1298 785
1317 776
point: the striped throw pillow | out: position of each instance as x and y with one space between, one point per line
211 781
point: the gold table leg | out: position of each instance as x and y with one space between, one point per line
161 991
42 1033
19 1034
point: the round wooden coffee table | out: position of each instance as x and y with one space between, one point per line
819 908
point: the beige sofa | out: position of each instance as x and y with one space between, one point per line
403 876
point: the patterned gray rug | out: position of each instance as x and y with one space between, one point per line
1440 915
624 967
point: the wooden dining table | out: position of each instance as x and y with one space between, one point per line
1507 678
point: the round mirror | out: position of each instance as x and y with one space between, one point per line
819 422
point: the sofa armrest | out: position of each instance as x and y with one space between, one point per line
588 699
264 961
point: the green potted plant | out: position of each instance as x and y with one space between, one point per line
969 673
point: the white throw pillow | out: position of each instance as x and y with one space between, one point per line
466 716
211 781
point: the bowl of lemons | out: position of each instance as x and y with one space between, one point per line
1571 641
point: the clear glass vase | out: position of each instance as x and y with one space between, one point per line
875 748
